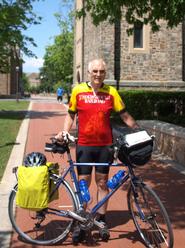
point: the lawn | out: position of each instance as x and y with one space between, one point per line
11 116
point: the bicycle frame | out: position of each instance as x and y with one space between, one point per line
146 209
74 180
133 180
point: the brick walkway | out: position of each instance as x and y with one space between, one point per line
46 120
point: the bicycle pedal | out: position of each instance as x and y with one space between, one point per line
104 234
78 236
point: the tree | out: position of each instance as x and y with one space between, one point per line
58 59
145 11
15 17
25 82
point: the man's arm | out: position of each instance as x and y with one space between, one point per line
128 120
67 126
68 122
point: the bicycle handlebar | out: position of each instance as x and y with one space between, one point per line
56 147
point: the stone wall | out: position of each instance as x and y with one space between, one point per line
160 60
10 82
4 84
99 43
169 139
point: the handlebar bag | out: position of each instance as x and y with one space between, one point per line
33 187
135 147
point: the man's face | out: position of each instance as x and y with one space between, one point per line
97 73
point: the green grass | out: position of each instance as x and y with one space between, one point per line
11 116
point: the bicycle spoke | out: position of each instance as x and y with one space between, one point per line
150 217
47 226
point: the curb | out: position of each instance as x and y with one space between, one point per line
9 180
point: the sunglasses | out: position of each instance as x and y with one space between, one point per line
100 71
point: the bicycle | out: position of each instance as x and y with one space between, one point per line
53 224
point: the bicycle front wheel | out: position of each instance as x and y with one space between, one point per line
48 226
149 216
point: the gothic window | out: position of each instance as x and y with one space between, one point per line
139 41
138 35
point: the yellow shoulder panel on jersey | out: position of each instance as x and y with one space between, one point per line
118 103
82 87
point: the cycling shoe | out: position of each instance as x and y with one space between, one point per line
78 235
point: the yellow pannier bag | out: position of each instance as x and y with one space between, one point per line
33 187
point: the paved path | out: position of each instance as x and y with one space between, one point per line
46 119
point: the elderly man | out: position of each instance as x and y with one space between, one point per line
94 101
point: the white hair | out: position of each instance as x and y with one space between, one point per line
94 61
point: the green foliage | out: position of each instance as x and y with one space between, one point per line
58 59
34 89
135 10
155 105
25 82
15 17
63 85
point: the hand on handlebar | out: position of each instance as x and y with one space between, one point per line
65 137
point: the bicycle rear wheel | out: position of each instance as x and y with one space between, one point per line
149 216
48 226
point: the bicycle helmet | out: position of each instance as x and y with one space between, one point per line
35 159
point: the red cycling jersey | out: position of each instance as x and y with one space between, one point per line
94 113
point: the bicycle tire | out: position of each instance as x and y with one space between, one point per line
54 228
149 216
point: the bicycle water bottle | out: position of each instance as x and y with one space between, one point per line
113 182
84 190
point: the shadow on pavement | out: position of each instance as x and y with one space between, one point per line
113 220
169 184
45 114
10 144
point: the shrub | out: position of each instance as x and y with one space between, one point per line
155 105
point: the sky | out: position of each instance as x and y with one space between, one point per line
43 33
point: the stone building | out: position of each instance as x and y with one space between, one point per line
34 79
10 83
145 59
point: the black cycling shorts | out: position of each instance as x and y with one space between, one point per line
59 98
93 154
